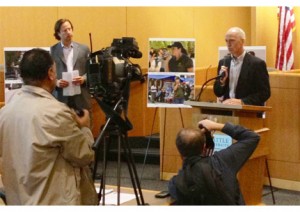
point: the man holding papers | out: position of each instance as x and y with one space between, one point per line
70 58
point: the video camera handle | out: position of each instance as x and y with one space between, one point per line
79 111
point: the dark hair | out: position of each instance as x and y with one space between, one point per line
34 65
179 46
58 25
190 142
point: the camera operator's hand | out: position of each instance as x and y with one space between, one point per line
210 125
62 83
83 121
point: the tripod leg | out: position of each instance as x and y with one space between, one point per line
106 147
119 169
95 166
132 171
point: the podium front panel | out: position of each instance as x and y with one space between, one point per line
173 119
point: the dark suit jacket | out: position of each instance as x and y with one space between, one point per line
253 86
81 54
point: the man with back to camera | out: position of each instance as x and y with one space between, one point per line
70 56
246 79
195 183
180 61
45 147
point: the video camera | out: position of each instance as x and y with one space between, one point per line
109 69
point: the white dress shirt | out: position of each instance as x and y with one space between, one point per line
235 70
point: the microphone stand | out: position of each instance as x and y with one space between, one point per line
221 75
202 88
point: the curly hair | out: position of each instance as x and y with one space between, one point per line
58 25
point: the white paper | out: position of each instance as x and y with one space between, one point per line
72 89
112 198
107 191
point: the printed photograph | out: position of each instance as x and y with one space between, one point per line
171 55
12 59
170 90
171 72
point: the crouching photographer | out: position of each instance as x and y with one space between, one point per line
211 180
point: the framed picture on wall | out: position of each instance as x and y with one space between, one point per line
12 78
171 72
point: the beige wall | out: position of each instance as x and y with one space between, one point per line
33 26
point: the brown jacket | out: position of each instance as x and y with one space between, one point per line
45 154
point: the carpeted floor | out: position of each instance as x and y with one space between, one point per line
149 178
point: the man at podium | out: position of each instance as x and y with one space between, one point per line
244 77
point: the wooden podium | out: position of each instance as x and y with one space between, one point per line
251 176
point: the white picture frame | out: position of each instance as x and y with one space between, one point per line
12 78
163 77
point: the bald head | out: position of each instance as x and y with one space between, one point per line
238 32
190 142
235 38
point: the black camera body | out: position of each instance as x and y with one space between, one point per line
109 69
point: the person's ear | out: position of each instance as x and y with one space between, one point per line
52 73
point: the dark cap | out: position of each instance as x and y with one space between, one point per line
176 44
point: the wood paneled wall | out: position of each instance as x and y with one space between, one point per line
284 122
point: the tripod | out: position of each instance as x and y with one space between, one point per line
116 128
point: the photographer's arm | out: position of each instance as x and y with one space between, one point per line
210 125
238 153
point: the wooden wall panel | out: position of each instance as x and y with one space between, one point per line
26 27
284 122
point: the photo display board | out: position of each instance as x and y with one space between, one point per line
12 78
171 72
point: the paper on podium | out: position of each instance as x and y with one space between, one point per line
72 89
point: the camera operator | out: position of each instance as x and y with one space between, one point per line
211 180
45 147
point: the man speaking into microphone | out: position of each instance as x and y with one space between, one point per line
244 77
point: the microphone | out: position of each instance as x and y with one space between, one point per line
91 44
221 75
225 63
202 88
